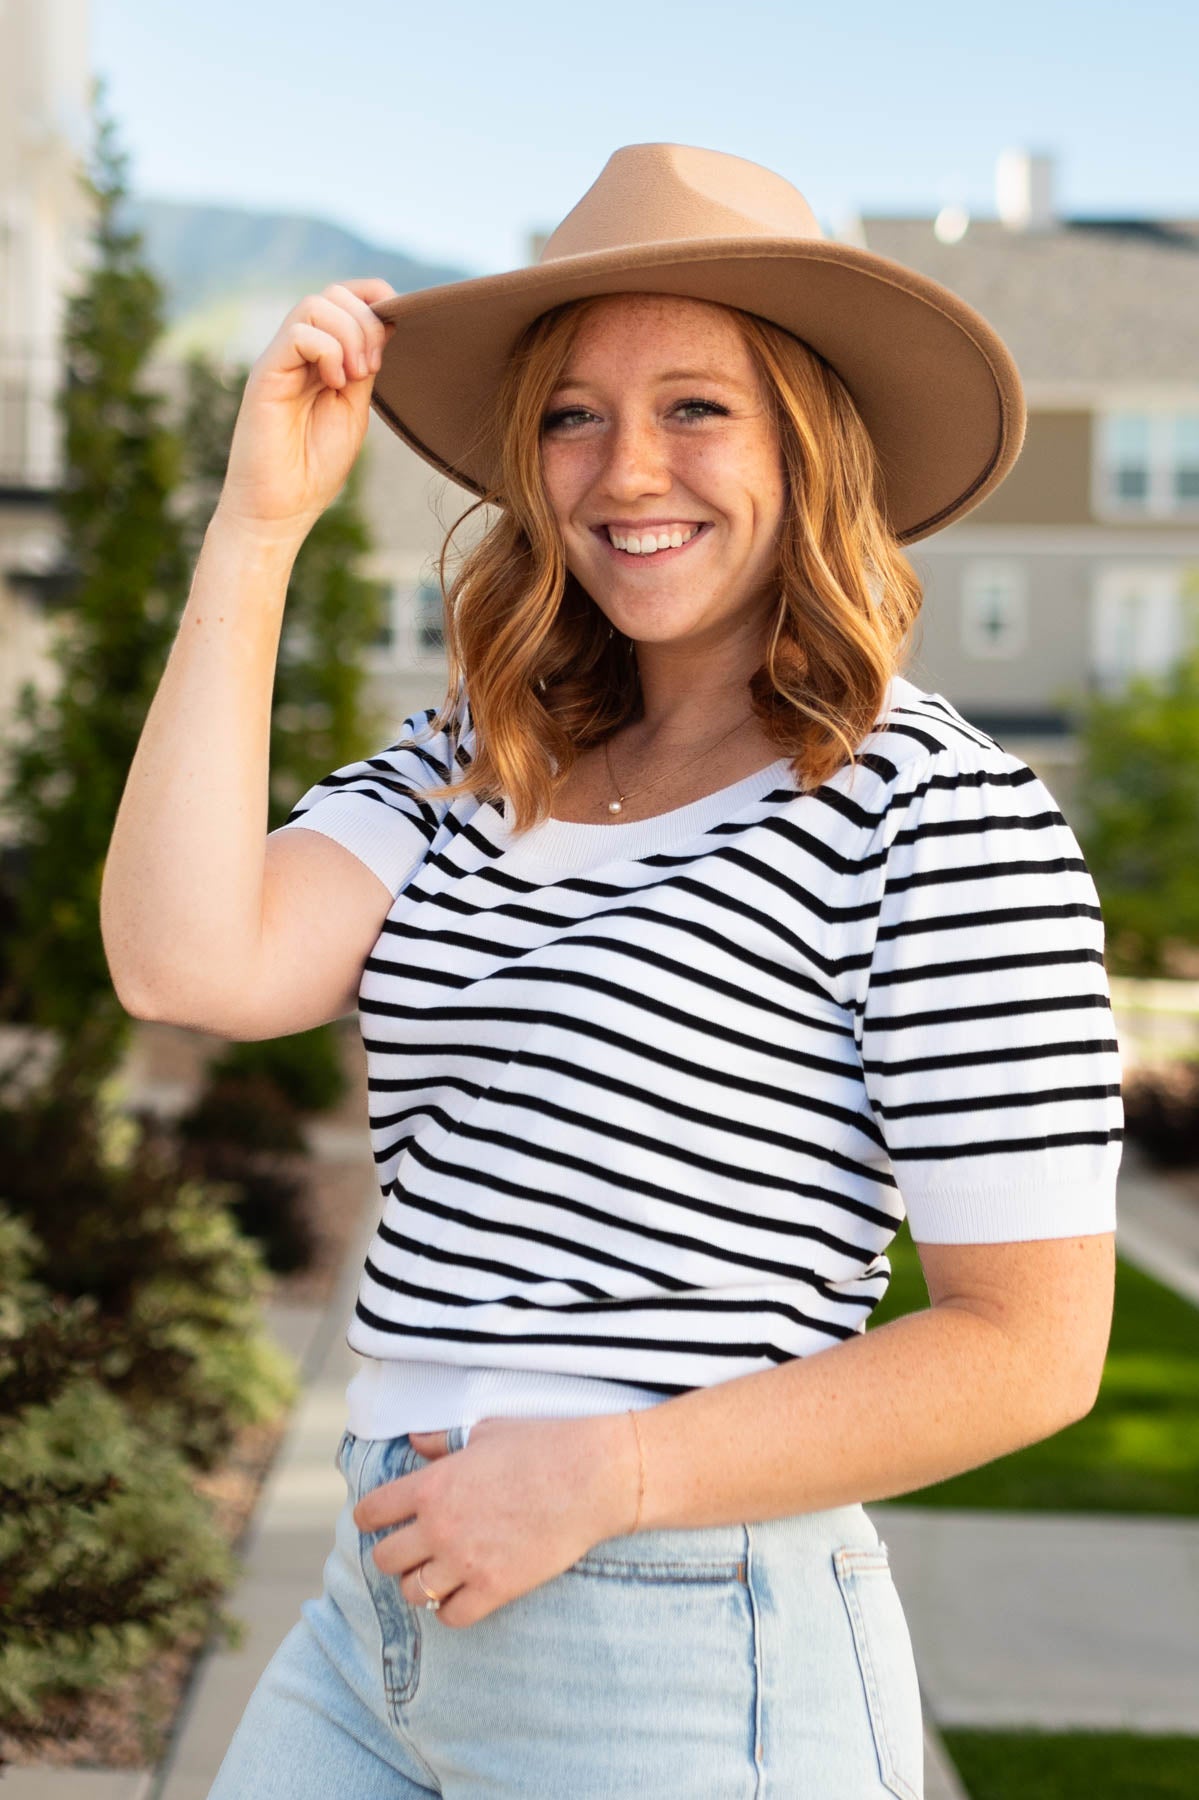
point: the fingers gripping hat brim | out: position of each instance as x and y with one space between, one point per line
936 387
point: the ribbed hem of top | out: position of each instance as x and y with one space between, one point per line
388 1399
566 843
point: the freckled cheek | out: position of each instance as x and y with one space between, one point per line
568 477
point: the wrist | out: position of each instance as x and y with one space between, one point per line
619 1465
278 538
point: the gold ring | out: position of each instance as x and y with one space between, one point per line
434 1600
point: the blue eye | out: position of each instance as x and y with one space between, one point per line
703 406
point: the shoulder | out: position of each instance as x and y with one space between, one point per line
434 743
431 748
921 745
916 726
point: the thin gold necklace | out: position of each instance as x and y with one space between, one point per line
617 805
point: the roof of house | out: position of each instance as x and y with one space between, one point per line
1086 300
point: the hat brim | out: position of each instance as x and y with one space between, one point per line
936 387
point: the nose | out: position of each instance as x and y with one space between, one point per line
636 462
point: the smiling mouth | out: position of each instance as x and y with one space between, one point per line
655 544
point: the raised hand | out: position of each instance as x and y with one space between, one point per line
304 412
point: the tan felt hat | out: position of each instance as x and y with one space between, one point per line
936 387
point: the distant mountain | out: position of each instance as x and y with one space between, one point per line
230 275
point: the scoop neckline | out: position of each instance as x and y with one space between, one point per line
563 841
717 794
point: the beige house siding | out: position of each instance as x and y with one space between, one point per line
1050 482
1025 699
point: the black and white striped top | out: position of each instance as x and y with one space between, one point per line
649 1101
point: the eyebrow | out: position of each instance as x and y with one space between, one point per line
669 375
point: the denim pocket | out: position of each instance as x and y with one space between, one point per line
399 1621
887 1664
636 1557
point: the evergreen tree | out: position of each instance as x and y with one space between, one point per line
131 553
67 763
131 1341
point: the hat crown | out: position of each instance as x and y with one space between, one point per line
667 193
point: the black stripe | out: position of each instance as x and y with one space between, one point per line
984 1102
1002 1146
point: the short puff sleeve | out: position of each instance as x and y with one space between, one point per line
983 1013
374 807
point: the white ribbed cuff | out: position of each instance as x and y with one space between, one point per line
388 843
1001 1215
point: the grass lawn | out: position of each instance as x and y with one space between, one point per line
1136 1451
1102 1765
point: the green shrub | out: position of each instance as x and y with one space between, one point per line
1137 813
106 1551
306 1067
115 1219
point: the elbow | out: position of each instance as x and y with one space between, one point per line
128 990
1086 1400
136 1004
1065 1400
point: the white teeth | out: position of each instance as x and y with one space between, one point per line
669 539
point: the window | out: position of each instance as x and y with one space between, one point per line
428 627
1148 463
994 610
1186 457
384 642
411 633
1139 624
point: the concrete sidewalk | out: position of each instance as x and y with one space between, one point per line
1053 1621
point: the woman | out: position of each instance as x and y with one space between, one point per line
694 946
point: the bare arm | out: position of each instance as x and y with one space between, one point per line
181 898
1010 1352
204 921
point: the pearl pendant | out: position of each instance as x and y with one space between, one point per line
615 806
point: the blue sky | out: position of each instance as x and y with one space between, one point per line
454 130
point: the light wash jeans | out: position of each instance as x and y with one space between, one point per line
749 1660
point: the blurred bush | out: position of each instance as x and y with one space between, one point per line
244 1133
1161 1112
108 1401
306 1068
1137 814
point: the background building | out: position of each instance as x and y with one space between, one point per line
45 132
1071 574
